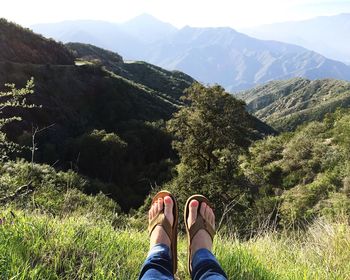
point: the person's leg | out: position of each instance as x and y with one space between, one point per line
158 264
206 267
204 264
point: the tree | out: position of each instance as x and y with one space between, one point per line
12 98
100 154
211 131
209 134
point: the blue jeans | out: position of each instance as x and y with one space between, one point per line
158 265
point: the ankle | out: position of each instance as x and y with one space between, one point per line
201 240
159 236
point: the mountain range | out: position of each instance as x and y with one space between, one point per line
327 35
138 90
210 55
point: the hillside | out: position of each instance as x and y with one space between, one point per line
170 83
18 44
79 99
287 104
210 55
332 42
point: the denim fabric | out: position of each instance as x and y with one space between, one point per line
158 265
206 267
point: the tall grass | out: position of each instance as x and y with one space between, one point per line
43 247
323 252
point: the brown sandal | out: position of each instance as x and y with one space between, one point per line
199 224
161 220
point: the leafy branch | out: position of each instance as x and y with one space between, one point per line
13 98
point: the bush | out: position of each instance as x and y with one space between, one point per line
337 205
58 193
97 207
299 203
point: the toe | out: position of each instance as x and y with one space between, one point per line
152 211
168 209
193 209
203 209
160 204
155 207
212 218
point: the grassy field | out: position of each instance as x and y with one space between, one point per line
43 247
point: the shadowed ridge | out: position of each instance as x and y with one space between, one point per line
18 44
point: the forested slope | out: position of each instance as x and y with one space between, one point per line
86 102
287 104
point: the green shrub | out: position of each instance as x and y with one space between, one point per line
58 193
337 205
299 203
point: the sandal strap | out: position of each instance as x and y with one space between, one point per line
161 220
199 224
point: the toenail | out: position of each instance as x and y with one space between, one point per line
194 203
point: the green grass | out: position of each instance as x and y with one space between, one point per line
44 247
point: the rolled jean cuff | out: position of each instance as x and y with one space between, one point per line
205 263
203 255
159 250
158 264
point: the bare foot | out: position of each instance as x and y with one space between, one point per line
202 238
158 234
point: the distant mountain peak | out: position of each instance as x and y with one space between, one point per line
147 28
148 20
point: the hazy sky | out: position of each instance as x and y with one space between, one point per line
234 13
